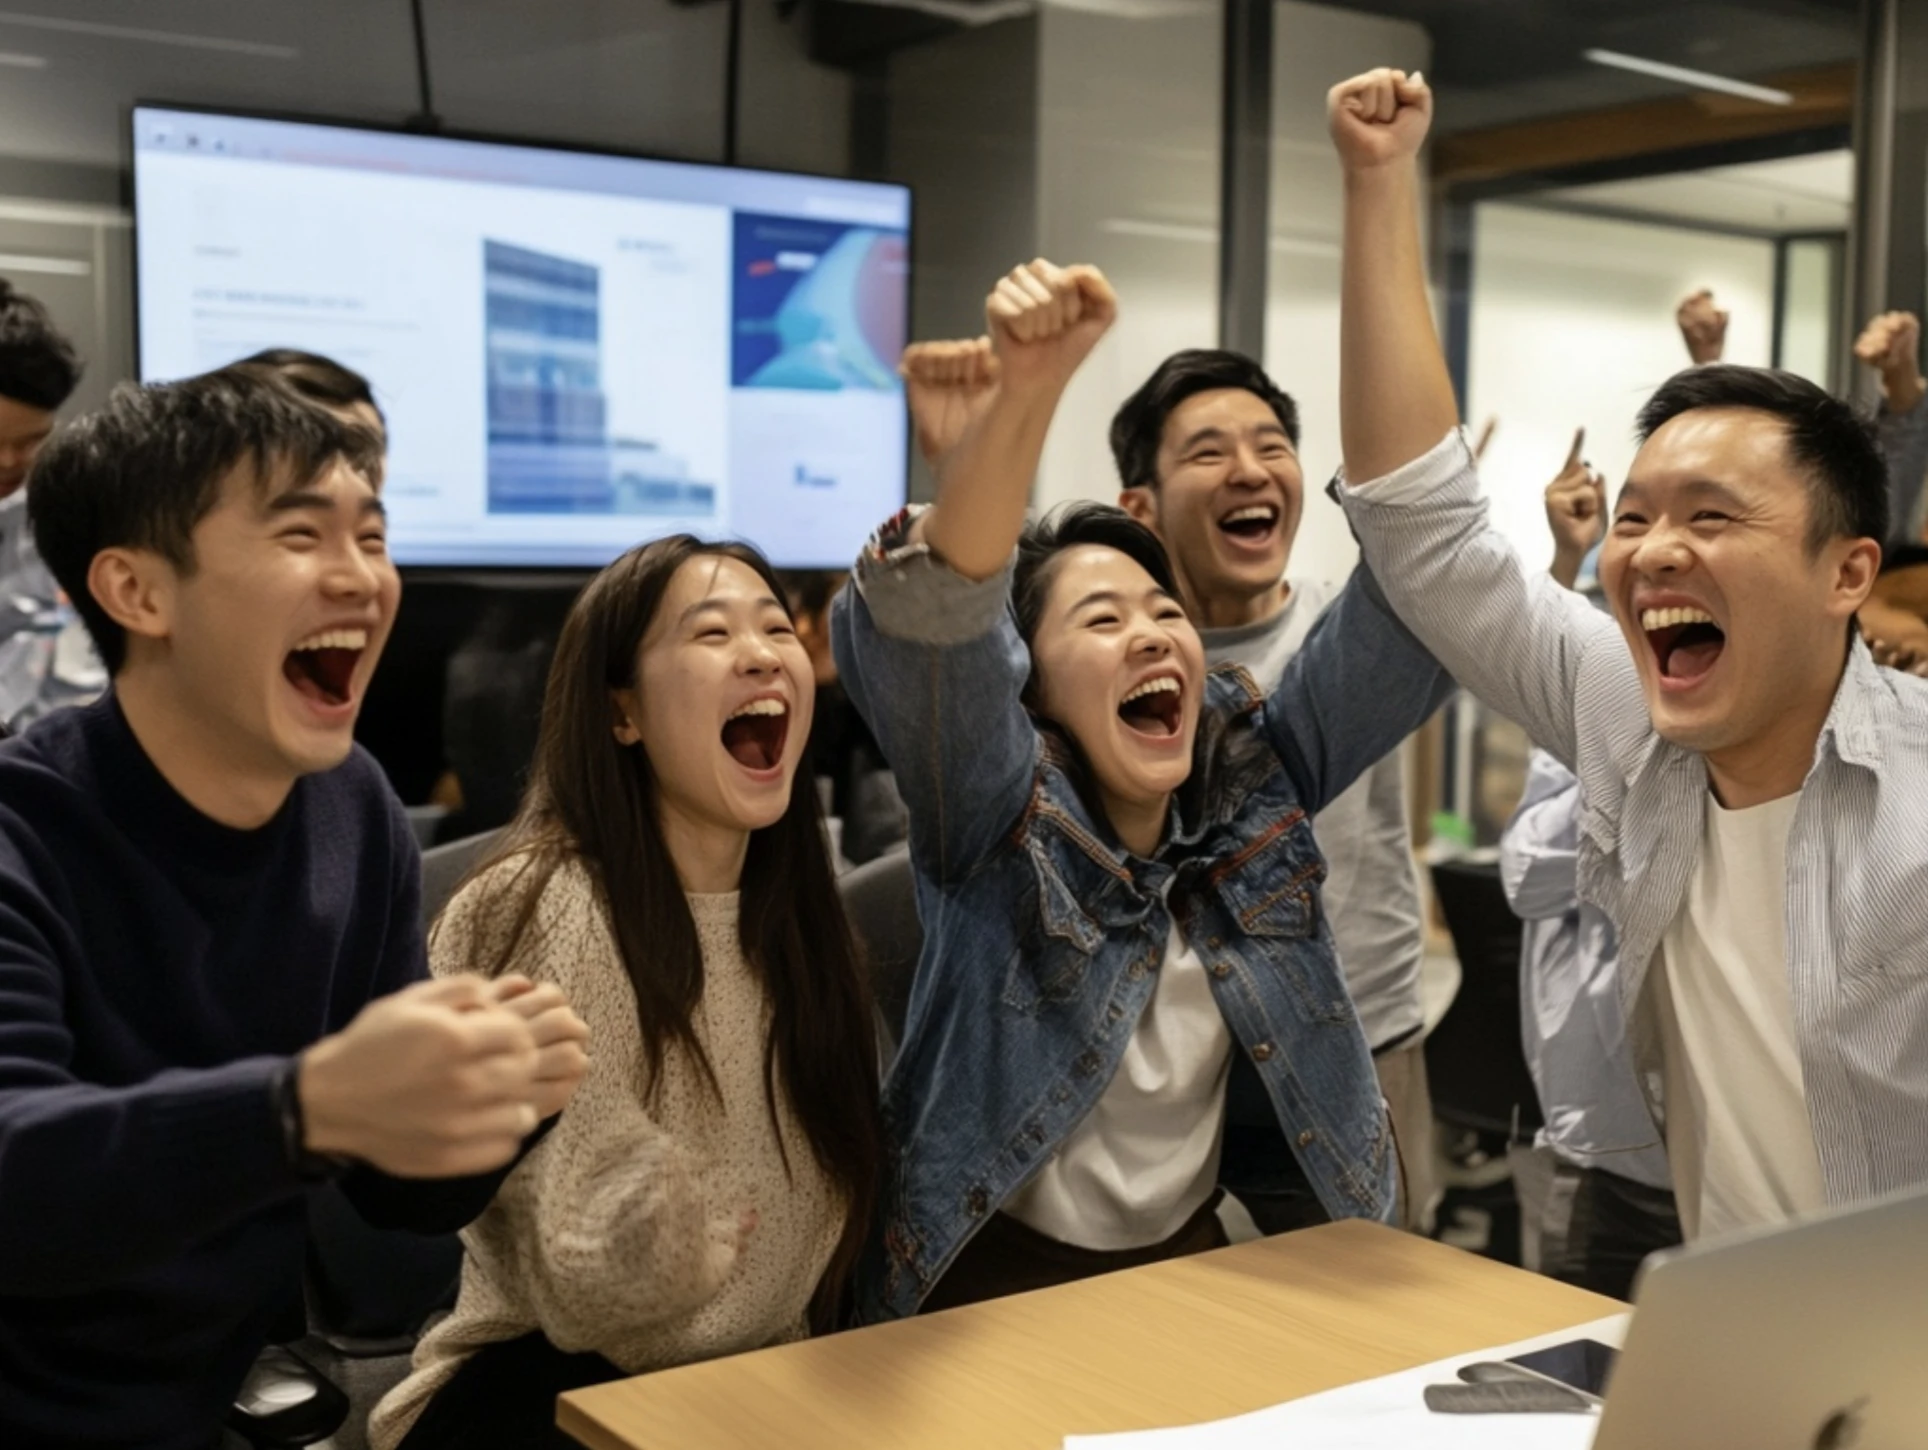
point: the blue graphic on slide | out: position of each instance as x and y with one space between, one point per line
818 306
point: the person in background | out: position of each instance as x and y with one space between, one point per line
1894 621
1890 345
1208 458
210 943
710 1187
1113 856
842 751
1751 781
45 660
492 709
1611 1201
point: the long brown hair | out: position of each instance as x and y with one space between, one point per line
594 800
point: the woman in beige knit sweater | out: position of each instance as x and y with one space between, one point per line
708 1189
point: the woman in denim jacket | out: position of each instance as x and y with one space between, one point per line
1113 856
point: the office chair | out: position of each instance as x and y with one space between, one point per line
1474 1058
880 898
445 866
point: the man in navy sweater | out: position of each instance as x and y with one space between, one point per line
212 980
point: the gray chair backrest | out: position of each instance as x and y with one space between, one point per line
443 868
880 899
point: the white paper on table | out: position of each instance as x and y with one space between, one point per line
1384 1414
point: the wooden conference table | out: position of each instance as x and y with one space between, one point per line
1200 1338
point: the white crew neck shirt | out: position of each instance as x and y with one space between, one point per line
1145 1159
1739 1138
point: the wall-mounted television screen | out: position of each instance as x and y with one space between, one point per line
576 351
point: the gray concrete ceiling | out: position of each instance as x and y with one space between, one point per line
631 74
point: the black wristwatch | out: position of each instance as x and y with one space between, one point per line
309 1166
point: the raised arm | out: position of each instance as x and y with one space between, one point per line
1395 395
1576 512
1360 685
1891 345
1044 321
925 640
1510 635
1703 327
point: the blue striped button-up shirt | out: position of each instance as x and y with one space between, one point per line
1857 854
1571 1022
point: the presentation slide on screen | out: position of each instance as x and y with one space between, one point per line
575 352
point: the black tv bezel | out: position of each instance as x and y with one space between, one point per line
522 574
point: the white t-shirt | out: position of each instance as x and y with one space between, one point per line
1145 1158
1738 1133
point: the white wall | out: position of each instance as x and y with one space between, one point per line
1313 48
1127 178
1573 326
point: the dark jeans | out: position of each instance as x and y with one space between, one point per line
1611 1225
1008 1257
504 1398
1257 1166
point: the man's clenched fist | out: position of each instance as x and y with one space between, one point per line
442 1079
1379 118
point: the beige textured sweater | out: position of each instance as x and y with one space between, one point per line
613 1234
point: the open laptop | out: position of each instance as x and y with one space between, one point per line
1809 1337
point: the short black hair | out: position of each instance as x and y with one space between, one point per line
319 379
1830 441
1139 426
147 467
38 366
1069 527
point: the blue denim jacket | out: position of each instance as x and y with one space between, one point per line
1042 935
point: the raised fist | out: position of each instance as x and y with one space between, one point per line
1576 511
1891 345
1703 327
1045 320
1379 118
948 386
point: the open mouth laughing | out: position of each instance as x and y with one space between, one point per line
756 734
322 666
1155 707
1252 526
1686 642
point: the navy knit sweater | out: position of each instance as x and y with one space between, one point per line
156 970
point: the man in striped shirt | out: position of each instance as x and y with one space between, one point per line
1751 782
